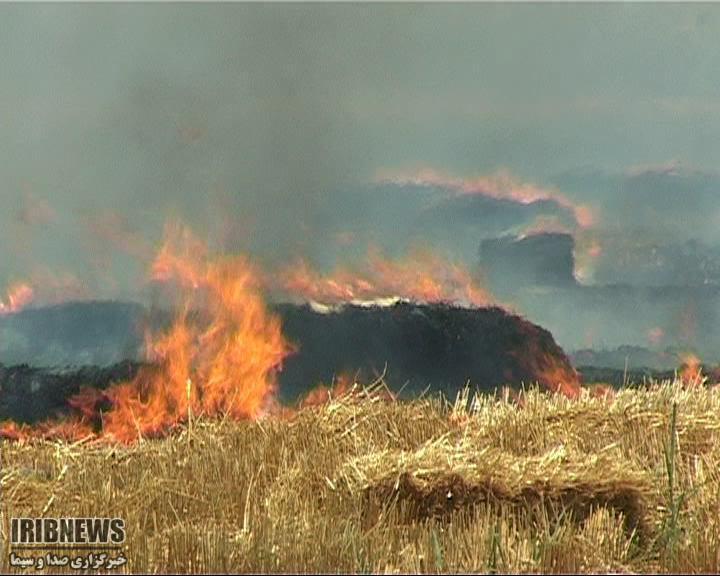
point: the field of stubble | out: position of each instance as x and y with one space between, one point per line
362 484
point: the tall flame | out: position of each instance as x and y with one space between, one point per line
226 366
220 357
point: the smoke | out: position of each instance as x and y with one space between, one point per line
295 132
502 185
145 113
660 223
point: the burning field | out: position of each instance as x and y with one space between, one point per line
364 483
224 352
242 442
414 346
370 289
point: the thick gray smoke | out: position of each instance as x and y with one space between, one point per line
268 129
231 118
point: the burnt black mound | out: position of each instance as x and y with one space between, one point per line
417 347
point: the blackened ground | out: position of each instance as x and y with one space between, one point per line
30 394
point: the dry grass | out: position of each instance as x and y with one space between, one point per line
363 485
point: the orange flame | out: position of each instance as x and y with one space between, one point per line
43 287
423 277
69 430
501 185
691 373
227 365
18 297
558 378
223 352
322 394
549 370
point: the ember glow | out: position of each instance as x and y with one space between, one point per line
558 380
422 277
322 394
18 297
554 376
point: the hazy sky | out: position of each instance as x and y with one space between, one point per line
244 119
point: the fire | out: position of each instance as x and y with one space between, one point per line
322 394
18 297
423 277
43 287
595 250
228 366
551 372
559 379
225 364
501 185
691 373
600 390
224 349
69 430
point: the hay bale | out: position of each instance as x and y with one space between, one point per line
418 346
442 478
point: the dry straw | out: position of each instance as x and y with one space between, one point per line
368 484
